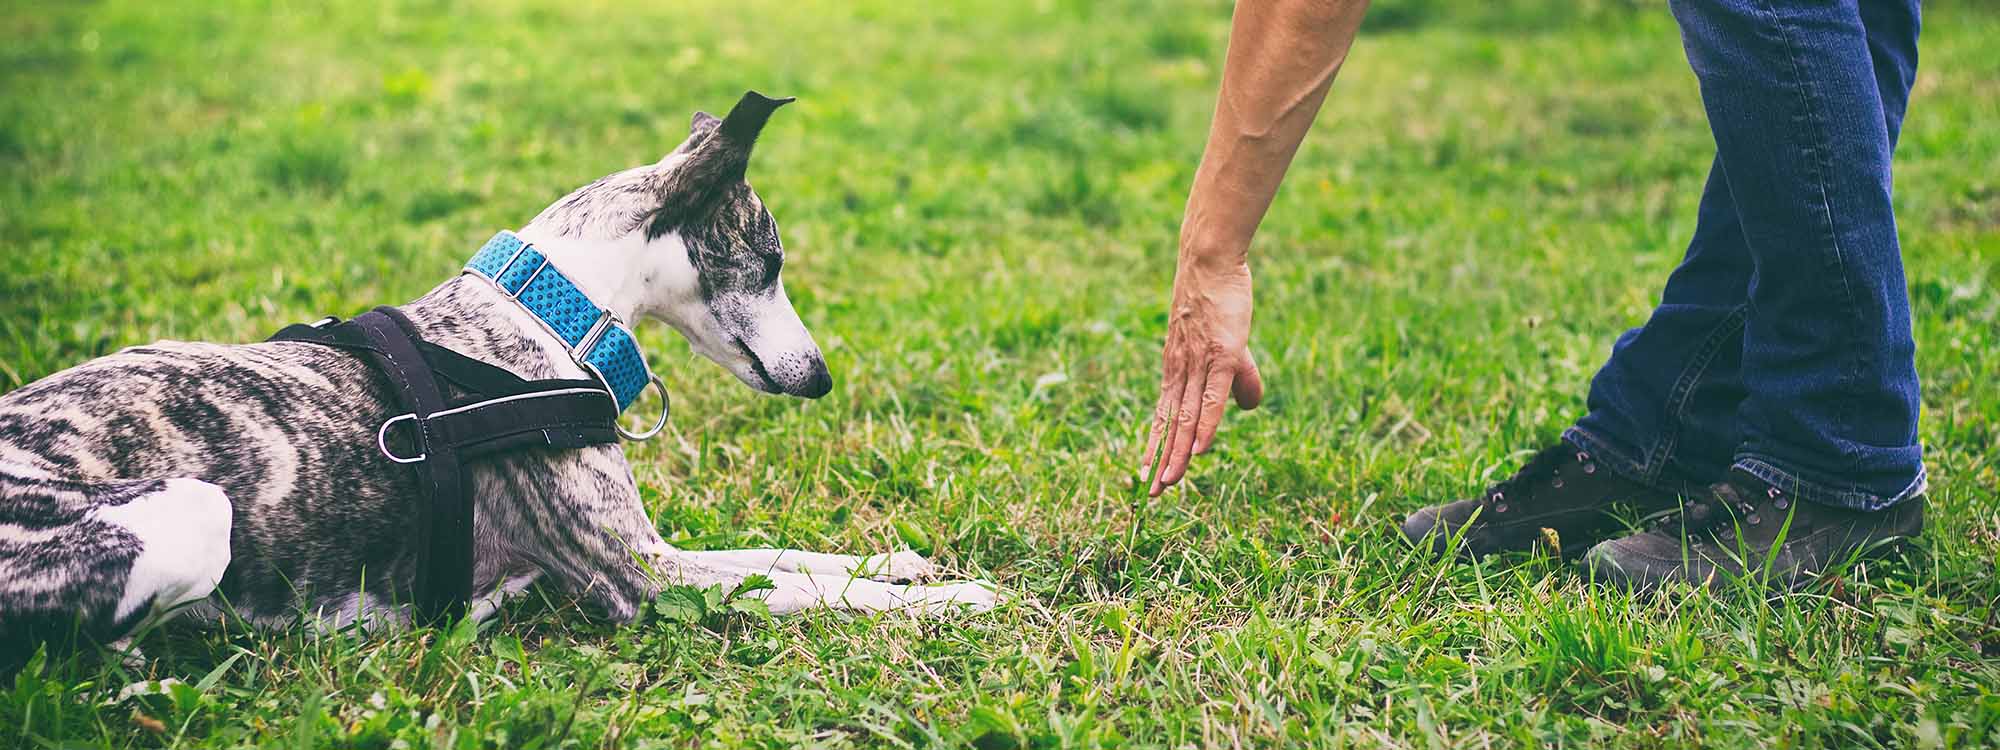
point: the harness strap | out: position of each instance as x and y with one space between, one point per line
554 419
500 412
444 567
466 373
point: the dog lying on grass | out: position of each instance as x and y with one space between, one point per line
247 480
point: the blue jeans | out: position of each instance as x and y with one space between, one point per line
1782 343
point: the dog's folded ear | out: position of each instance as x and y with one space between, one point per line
719 150
740 128
699 129
718 156
703 123
723 156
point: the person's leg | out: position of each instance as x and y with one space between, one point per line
1828 366
1806 104
1663 408
1892 27
1666 405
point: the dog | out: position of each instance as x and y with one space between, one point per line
246 481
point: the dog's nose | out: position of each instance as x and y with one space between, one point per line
818 383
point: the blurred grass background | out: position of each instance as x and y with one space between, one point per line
980 203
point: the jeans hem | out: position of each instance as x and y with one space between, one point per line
1825 493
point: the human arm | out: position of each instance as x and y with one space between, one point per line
1283 55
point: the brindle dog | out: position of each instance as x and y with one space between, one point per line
246 479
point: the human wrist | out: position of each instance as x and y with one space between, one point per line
1207 254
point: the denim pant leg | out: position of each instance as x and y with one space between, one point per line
1662 410
1803 134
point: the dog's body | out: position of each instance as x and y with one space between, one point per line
248 479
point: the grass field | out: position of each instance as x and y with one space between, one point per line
980 204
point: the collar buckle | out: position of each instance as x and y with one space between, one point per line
604 322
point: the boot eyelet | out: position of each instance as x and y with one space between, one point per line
1557 483
1501 508
1590 468
1782 504
1754 520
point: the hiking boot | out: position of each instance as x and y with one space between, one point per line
1563 491
1746 526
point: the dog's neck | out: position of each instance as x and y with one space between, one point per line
471 317
469 314
619 275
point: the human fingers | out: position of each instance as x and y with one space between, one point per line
1179 442
1163 409
1214 401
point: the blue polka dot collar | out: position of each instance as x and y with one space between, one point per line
598 340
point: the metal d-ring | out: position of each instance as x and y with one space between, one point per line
666 408
666 405
382 440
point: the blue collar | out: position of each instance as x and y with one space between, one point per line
598 340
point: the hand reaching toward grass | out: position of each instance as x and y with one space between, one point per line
1207 359
1283 55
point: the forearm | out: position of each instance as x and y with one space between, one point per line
1283 55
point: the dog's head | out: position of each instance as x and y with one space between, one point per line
686 241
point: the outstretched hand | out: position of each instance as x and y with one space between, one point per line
1283 54
1207 358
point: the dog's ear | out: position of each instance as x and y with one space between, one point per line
703 123
723 155
747 118
699 129
718 155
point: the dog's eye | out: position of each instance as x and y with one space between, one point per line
772 264
764 242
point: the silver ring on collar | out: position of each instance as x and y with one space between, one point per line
666 406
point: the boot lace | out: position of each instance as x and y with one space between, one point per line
1725 504
1546 465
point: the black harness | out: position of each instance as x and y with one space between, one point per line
493 411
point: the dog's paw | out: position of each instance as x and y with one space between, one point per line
898 567
959 596
134 660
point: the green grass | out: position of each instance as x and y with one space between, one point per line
974 199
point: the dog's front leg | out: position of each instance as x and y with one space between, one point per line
576 519
800 591
659 564
793 592
595 540
891 566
